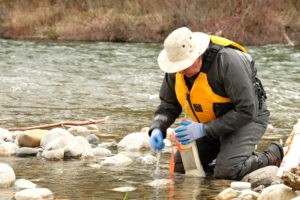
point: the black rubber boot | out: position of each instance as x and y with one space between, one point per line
274 154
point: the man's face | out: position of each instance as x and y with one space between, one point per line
193 69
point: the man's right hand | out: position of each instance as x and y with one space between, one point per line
157 140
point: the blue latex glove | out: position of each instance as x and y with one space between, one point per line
189 131
157 140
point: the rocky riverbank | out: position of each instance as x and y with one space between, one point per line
247 22
82 142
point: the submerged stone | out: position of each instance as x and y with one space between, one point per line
34 193
157 183
124 189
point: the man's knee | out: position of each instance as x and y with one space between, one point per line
238 169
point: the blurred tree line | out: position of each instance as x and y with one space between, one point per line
250 22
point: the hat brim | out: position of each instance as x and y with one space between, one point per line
202 41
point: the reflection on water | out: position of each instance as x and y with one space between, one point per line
48 82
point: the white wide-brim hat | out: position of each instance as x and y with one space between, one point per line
181 49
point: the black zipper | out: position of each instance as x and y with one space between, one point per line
190 104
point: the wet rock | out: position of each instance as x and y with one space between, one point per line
291 178
56 154
77 147
92 127
135 142
227 194
27 151
7 175
262 176
34 193
101 152
146 160
111 145
240 185
6 135
52 134
21 184
88 154
59 142
159 183
8 148
247 195
124 189
278 191
78 130
93 140
296 198
31 138
117 160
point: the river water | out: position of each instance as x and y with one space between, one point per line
49 82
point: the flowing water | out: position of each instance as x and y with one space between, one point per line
48 82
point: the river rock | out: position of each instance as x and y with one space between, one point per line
291 178
101 152
262 176
56 154
92 127
59 142
7 175
160 183
21 184
124 189
240 185
52 134
27 151
34 193
31 138
8 148
117 160
6 135
111 145
278 191
227 194
78 130
247 195
146 160
93 140
78 146
88 154
135 142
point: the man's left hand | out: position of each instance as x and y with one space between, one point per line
189 131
